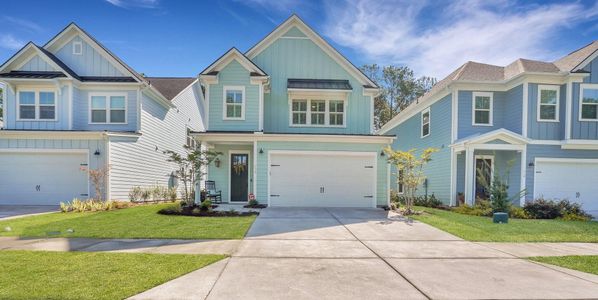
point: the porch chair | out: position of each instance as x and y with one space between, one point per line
211 193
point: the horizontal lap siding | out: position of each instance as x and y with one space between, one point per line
95 161
263 168
141 161
550 151
438 171
301 58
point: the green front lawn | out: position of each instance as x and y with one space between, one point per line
135 222
86 275
475 228
588 264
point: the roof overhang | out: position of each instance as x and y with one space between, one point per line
57 134
512 141
228 137
228 57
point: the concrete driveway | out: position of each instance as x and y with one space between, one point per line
12 211
307 253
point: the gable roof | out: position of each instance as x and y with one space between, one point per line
497 134
575 60
227 57
170 87
48 57
294 20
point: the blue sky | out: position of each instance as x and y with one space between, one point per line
180 38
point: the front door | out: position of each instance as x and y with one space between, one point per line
483 178
239 175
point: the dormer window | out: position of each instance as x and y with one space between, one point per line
234 103
77 48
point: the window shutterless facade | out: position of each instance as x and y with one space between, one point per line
234 103
317 111
107 108
36 105
588 102
482 106
425 117
548 103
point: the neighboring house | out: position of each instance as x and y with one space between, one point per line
536 120
71 106
293 120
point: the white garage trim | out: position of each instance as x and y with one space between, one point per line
49 150
373 155
569 160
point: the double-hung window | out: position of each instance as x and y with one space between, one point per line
482 109
425 122
588 104
317 111
234 103
36 105
190 140
108 108
548 103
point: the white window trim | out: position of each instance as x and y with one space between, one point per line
75 45
306 112
583 86
37 105
539 103
491 110
243 101
107 95
421 129
322 97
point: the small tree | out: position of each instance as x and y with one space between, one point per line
498 189
98 179
189 168
411 167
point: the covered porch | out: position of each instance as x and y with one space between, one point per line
478 159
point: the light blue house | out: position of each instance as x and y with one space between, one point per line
535 121
71 106
294 121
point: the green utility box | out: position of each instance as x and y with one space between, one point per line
500 217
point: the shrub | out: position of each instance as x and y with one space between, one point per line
480 208
171 194
173 209
77 205
543 209
576 217
206 205
135 194
145 194
253 202
517 212
430 201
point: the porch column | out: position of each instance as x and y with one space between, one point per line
469 173
523 175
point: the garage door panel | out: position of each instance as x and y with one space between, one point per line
573 180
298 179
39 178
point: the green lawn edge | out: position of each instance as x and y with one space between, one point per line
90 275
481 229
587 264
141 222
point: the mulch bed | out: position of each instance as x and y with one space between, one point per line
193 212
256 206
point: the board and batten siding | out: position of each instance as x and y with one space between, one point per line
141 161
263 168
37 63
234 74
438 170
294 56
584 130
545 130
95 161
81 111
62 111
513 112
89 63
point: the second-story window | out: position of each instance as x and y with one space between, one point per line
234 103
426 122
299 111
337 112
482 109
548 103
317 112
589 102
37 105
108 108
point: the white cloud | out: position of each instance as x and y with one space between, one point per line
435 40
8 41
23 23
135 3
273 5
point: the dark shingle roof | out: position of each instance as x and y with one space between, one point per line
107 79
58 62
33 74
319 84
170 86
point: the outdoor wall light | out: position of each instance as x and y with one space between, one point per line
97 153
531 164
261 150
217 162
382 153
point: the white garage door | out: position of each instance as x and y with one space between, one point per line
573 179
36 178
332 179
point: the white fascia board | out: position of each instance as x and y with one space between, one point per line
249 137
50 135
